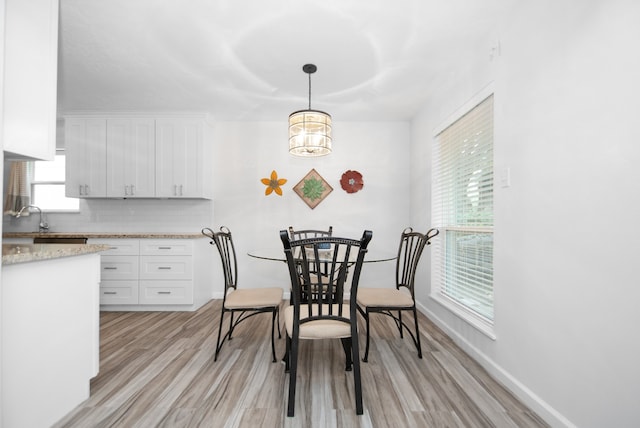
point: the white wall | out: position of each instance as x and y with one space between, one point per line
566 293
250 151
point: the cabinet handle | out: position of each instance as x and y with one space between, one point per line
109 292
80 190
164 248
164 292
132 190
110 268
86 190
126 191
164 268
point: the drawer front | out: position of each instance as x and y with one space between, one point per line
119 247
166 292
163 247
118 267
119 292
166 267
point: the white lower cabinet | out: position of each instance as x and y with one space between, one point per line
137 273
118 292
119 267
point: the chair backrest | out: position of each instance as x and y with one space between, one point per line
409 252
341 256
223 241
294 235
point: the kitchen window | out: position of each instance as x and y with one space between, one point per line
48 186
463 211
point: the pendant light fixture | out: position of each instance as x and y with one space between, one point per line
309 130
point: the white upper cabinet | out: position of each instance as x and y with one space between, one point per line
131 164
86 151
30 79
180 159
137 157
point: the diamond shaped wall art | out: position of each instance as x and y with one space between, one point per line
313 189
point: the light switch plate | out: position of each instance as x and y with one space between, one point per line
505 177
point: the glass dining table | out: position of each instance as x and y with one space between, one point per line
372 256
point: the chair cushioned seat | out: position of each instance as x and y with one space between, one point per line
385 297
320 329
254 298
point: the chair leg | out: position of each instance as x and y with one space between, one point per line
400 325
366 349
231 325
273 333
287 354
293 357
346 345
356 371
417 338
278 322
218 345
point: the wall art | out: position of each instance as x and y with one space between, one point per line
313 189
273 184
351 181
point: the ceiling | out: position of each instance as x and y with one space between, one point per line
242 60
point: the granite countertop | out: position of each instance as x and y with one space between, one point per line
90 235
22 253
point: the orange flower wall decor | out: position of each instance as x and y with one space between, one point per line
273 184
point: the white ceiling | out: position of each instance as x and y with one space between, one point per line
242 59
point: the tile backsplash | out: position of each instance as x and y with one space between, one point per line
124 215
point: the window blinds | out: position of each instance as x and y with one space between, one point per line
463 209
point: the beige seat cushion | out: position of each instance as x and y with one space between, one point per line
388 297
320 329
253 298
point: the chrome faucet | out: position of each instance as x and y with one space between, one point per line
43 226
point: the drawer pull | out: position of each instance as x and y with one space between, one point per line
109 292
164 292
164 267
110 268
164 248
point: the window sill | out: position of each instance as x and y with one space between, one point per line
466 315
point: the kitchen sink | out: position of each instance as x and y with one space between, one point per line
59 240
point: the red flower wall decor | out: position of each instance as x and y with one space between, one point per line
351 181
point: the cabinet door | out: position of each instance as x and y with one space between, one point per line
166 292
86 149
119 268
179 158
119 292
30 42
130 158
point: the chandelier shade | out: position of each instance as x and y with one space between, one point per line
309 130
309 133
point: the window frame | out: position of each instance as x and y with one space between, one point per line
34 183
439 252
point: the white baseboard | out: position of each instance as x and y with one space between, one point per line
524 394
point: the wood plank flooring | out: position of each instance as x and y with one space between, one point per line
157 370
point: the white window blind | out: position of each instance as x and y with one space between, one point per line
463 210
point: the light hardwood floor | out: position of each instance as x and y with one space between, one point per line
157 370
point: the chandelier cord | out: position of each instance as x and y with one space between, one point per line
309 91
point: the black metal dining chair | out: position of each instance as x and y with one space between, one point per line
308 233
295 235
320 317
393 301
244 302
